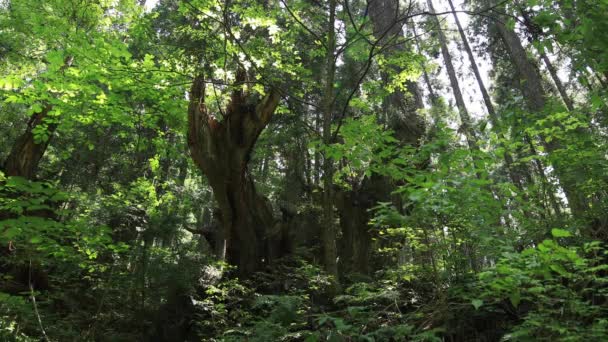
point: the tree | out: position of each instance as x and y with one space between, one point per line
328 233
515 177
221 149
261 171
401 105
465 118
535 97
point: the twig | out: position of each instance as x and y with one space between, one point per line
46 338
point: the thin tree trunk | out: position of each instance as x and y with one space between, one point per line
465 119
317 155
328 232
425 74
543 175
535 32
484 93
558 83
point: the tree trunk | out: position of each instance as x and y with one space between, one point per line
402 107
26 153
536 33
355 207
221 150
328 229
432 95
356 242
558 83
402 116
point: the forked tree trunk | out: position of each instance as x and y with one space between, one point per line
221 150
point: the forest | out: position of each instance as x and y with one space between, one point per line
303 170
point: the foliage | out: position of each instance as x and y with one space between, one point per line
557 292
493 229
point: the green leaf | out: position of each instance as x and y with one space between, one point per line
36 108
36 239
334 337
477 303
312 338
148 62
560 270
515 298
510 24
557 233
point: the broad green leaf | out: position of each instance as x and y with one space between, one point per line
36 239
556 232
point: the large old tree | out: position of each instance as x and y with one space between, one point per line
221 150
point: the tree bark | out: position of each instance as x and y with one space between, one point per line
356 242
558 83
433 96
221 150
536 33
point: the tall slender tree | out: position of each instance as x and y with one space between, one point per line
535 32
328 232
531 86
494 119
465 118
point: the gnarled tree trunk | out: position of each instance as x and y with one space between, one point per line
221 150
27 152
